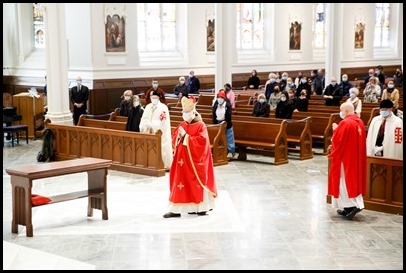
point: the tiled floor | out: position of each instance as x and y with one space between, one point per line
266 217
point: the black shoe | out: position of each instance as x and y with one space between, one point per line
345 211
170 214
352 213
202 213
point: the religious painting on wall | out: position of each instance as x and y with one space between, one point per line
295 35
210 33
359 35
115 20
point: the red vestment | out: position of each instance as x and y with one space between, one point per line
348 145
192 167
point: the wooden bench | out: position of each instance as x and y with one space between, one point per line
261 138
218 140
22 177
298 133
132 152
84 120
14 130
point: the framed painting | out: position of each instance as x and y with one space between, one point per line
114 27
359 35
295 32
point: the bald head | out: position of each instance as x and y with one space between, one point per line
347 109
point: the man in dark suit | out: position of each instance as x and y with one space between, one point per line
78 97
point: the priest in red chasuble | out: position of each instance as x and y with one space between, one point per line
347 175
192 183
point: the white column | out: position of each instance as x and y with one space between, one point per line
56 47
335 37
224 43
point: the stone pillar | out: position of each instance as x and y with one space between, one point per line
335 37
56 47
224 43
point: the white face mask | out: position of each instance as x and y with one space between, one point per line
220 100
284 78
261 101
154 101
187 116
155 86
190 76
384 113
333 83
342 115
283 99
303 81
352 95
136 103
390 86
127 97
182 82
79 83
272 80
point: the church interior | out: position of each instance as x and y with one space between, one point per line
272 210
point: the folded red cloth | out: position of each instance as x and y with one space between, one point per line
39 199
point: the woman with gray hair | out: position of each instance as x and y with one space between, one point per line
354 100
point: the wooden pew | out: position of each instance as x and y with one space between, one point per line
262 138
298 133
218 140
320 127
130 151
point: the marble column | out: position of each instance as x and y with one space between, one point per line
335 37
224 43
56 47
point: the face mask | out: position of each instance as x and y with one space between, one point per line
352 95
154 101
187 116
342 115
136 103
79 82
371 74
261 101
220 100
227 89
182 82
333 83
284 78
377 72
283 99
155 86
391 86
190 76
127 97
345 79
303 81
384 113
289 83
272 80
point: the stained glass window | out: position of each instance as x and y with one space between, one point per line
39 28
250 26
156 27
319 25
382 15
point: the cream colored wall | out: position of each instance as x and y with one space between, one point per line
87 56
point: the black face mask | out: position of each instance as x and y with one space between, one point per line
228 89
